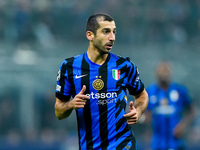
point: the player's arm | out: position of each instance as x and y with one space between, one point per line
188 116
141 102
137 109
63 108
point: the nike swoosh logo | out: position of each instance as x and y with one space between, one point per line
77 77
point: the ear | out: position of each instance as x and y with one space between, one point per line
90 35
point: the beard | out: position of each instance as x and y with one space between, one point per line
102 48
164 82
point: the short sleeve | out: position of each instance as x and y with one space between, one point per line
186 97
135 85
63 87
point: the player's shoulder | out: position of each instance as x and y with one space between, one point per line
178 86
122 60
152 87
120 57
70 60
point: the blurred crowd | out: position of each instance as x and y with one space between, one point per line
49 22
47 134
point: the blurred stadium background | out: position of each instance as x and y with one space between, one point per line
36 35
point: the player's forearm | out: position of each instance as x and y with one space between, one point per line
63 109
189 115
141 102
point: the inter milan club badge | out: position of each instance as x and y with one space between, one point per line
116 74
98 84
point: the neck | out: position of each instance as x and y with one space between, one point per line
164 86
96 57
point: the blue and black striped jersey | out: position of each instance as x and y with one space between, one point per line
101 124
167 108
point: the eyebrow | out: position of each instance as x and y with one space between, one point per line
108 28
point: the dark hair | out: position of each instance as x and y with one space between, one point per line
92 22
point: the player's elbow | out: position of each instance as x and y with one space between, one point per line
59 118
58 112
61 113
58 115
62 110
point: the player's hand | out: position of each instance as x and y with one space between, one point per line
132 116
80 99
179 130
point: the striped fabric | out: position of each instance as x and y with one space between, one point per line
101 124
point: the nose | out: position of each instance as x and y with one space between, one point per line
112 36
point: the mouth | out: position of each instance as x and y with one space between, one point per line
109 46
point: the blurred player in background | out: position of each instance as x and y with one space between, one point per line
97 81
171 110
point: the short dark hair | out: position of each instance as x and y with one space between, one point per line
92 22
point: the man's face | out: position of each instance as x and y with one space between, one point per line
105 36
163 74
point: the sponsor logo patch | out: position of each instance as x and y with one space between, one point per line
58 75
58 88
